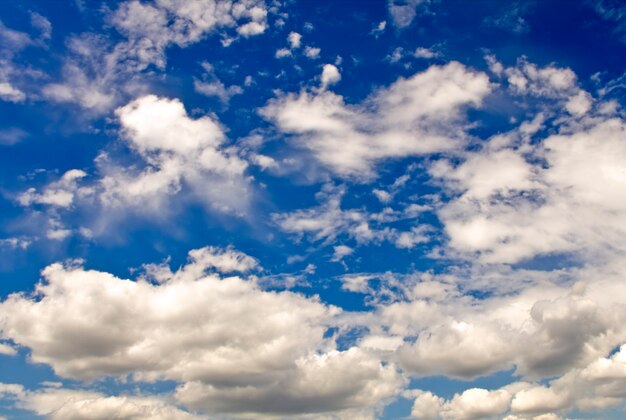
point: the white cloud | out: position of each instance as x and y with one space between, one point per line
97 75
294 39
282 53
176 148
422 52
264 162
12 40
12 74
598 386
613 367
233 347
179 156
42 24
7 350
356 283
543 324
312 52
413 116
252 29
330 75
11 93
15 243
70 404
217 89
427 406
152 124
473 403
12 135
551 82
403 12
210 85
409 239
513 208
379 29
61 193
382 196
579 104
511 18
538 399
334 381
341 251
477 403
328 221
175 22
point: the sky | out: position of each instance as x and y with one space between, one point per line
248 209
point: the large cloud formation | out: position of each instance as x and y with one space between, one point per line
227 356
414 116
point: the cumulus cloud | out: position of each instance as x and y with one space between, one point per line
233 347
541 328
598 386
413 116
330 75
312 52
559 84
175 148
315 389
282 53
178 156
427 53
559 195
294 39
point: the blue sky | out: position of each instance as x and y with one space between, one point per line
300 209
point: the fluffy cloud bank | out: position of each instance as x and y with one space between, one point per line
233 347
599 385
68 404
563 194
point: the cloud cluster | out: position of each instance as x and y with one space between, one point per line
12 43
414 116
233 347
599 385
97 75
561 194
330 221
176 153
69 404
